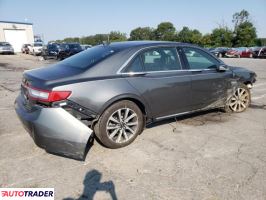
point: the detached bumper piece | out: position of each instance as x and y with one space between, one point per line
54 129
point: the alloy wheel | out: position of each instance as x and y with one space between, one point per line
240 100
122 125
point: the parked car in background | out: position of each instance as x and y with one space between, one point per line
85 46
68 49
25 48
259 52
241 52
219 51
6 48
114 89
50 51
35 48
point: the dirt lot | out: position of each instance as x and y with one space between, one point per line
210 155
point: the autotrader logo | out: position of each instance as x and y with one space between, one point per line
27 193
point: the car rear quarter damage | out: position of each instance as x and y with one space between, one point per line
54 129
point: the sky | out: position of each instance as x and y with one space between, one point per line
58 19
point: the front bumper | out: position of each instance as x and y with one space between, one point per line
6 51
54 129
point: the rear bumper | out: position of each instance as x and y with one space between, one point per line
54 129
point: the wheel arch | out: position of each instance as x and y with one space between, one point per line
130 97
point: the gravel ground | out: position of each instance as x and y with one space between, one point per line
210 155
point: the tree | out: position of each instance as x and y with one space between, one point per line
165 31
222 37
240 17
245 35
145 33
244 31
189 36
206 40
116 36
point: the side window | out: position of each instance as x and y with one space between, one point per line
135 66
198 59
161 59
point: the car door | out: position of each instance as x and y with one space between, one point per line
209 86
157 74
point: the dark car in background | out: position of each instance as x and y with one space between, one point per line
6 48
115 89
68 49
219 51
51 51
241 52
259 52
25 48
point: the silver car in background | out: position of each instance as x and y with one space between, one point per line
6 48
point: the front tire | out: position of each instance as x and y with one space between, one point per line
240 100
120 124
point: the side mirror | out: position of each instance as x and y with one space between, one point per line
222 68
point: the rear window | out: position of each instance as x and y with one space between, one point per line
88 58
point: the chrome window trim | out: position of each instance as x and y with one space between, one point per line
165 71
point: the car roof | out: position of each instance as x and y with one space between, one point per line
140 44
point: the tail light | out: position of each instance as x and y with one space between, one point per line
46 95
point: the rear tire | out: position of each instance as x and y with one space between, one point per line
119 125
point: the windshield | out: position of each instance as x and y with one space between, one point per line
74 46
37 44
4 44
86 59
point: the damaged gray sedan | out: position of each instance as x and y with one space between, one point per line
114 90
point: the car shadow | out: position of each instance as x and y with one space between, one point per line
258 106
92 184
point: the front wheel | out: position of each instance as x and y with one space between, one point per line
240 100
119 125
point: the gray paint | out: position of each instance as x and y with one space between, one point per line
162 94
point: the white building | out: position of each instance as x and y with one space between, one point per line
16 33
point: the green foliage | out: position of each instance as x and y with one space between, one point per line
206 40
244 34
240 17
222 37
190 36
116 36
145 33
165 32
261 42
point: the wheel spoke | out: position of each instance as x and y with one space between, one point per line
113 119
128 128
132 123
126 113
119 115
130 117
243 105
112 127
113 133
125 135
119 136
